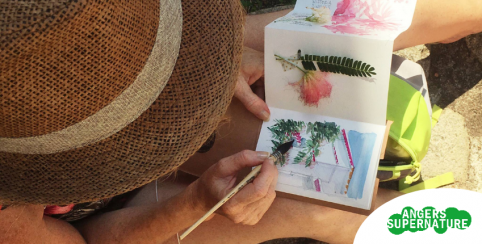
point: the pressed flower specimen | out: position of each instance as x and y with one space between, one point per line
312 87
314 84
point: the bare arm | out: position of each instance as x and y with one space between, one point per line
433 21
27 224
143 224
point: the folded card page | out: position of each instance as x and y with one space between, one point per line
327 70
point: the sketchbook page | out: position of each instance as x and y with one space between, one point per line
332 159
347 44
361 99
376 19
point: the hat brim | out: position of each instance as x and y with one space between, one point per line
171 130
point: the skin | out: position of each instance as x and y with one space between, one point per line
182 203
252 69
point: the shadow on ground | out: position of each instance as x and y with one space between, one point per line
454 70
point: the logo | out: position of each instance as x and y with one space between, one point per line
426 216
411 220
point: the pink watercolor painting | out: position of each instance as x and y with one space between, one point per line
356 17
362 17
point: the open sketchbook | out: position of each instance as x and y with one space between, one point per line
327 69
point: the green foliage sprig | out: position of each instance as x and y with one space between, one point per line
335 64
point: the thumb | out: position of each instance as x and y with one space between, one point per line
251 101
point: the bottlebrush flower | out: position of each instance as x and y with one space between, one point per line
320 15
313 87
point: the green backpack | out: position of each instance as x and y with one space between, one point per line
410 110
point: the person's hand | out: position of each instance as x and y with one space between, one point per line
249 204
252 68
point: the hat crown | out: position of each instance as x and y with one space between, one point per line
17 16
63 61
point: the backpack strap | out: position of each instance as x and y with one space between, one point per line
435 182
436 112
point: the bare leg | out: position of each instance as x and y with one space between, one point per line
285 218
441 21
433 21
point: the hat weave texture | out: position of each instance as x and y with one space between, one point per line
107 58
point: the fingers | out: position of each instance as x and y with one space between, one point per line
232 164
252 69
252 202
251 101
260 186
259 208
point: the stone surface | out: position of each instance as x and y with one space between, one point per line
454 74
449 149
454 70
475 159
474 43
469 105
415 54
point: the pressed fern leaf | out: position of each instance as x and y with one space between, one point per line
338 65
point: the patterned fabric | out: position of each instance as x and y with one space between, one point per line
78 211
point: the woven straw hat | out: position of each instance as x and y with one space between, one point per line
95 100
